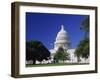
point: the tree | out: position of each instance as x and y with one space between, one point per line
85 26
85 52
61 55
82 49
35 50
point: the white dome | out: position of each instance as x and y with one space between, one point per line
62 39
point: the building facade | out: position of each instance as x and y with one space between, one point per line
62 40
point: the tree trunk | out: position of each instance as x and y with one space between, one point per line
78 59
63 61
34 61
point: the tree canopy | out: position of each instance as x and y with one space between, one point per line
85 27
35 50
61 55
82 49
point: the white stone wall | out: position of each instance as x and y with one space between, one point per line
73 58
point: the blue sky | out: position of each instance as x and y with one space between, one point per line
44 27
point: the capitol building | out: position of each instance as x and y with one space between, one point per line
62 40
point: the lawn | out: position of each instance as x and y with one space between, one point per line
54 64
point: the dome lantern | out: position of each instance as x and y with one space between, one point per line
62 27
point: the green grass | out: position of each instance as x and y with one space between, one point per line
56 64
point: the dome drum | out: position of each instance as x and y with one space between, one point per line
62 39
